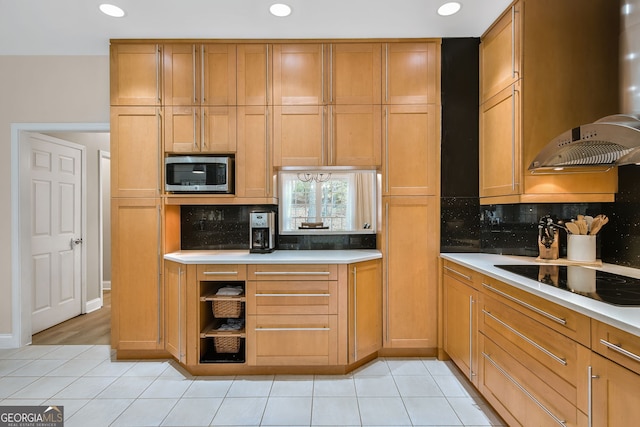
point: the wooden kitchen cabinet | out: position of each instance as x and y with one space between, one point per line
200 74
365 309
200 129
136 141
298 74
411 73
531 367
534 87
292 316
501 170
136 74
175 285
410 249
460 318
331 94
254 170
614 393
299 135
411 150
137 287
254 86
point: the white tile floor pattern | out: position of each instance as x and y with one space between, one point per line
98 391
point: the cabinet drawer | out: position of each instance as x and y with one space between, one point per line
566 321
464 274
520 397
549 355
293 272
212 272
619 346
292 340
292 297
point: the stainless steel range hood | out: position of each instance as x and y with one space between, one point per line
612 140
593 147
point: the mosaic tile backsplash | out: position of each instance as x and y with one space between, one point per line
513 229
226 227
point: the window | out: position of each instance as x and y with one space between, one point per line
327 202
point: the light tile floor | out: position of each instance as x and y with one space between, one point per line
98 391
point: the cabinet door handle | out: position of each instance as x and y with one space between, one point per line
458 273
386 270
195 129
293 295
558 359
386 148
386 72
471 302
158 52
193 71
159 284
292 273
522 389
590 395
202 77
160 149
513 42
527 305
618 348
220 273
355 314
292 329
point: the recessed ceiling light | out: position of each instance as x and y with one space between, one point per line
280 9
111 10
449 8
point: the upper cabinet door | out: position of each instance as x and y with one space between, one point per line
254 74
218 74
200 74
411 73
136 74
355 77
298 74
136 141
500 53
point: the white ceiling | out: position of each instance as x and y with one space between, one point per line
77 27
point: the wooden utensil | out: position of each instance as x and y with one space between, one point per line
598 222
572 227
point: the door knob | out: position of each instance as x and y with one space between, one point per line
75 242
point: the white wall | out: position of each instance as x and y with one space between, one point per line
42 89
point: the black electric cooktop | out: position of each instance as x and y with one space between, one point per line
599 285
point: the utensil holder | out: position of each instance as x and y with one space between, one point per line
581 247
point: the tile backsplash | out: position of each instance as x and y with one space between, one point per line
226 227
513 229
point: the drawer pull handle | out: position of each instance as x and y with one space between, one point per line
620 350
527 339
220 273
292 273
292 329
517 384
524 304
458 273
293 295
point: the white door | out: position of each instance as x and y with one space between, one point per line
56 230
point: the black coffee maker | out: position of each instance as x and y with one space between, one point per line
262 232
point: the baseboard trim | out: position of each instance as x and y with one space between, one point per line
93 305
8 341
106 284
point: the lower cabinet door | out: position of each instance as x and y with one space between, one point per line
294 340
615 391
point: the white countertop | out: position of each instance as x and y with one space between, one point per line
347 256
625 318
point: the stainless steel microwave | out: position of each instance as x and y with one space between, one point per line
199 174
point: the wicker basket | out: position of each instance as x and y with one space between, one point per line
226 308
227 344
